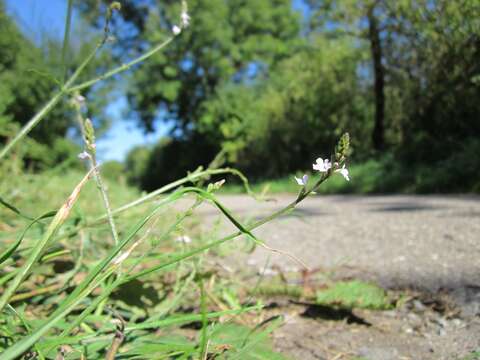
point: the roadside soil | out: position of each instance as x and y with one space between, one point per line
423 249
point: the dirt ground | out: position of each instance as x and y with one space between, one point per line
426 248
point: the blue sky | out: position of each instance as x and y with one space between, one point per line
37 18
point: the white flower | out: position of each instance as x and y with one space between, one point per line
176 30
344 172
302 181
183 239
322 165
217 185
79 99
184 19
267 271
84 155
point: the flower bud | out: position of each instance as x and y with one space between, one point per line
342 148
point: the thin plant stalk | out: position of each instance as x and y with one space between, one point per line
66 38
68 88
121 68
154 194
106 202
175 184
49 105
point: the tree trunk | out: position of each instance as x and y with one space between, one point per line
378 135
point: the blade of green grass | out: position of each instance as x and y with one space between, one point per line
39 247
14 209
27 327
11 249
202 351
174 320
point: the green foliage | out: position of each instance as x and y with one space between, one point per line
354 294
294 107
473 356
97 273
231 341
115 171
223 40
29 74
298 111
136 165
26 83
168 160
291 291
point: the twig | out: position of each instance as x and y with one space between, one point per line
291 256
116 342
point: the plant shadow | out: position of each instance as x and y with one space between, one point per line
314 311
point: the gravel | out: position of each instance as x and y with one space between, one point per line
424 242
427 245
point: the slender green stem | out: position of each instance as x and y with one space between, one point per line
32 123
48 106
122 67
190 178
68 88
218 242
202 351
106 201
66 37
175 184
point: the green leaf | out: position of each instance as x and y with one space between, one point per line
243 343
354 294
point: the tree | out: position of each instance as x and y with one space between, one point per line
419 50
364 20
378 135
227 41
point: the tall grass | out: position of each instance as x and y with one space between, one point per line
62 279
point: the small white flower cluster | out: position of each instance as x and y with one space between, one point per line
184 20
302 181
184 239
322 165
84 155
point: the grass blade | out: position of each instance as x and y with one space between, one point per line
57 221
6 254
14 209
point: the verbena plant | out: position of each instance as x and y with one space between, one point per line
75 315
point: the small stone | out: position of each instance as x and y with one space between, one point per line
379 353
418 306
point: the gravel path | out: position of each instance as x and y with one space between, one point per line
424 244
429 242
